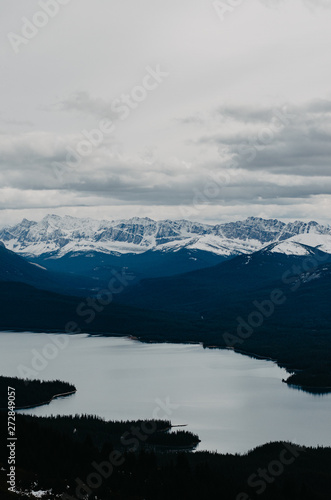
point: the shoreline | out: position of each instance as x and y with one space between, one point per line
137 338
317 390
45 403
56 396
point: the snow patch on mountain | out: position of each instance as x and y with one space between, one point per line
38 265
297 245
55 236
316 240
289 247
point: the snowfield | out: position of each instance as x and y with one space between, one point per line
55 236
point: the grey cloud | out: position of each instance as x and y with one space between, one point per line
194 119
132 181
318 106
19 123
301 145
311 4
249 114
300 149
217 71
82 102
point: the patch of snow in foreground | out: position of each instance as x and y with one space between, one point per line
40 493
36 494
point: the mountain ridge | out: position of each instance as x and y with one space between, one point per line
55 236
16 268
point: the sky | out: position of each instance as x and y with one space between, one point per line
186 109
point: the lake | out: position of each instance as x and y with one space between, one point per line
234 403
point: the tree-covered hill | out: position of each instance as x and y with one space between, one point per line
51 458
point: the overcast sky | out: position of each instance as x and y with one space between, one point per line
168 109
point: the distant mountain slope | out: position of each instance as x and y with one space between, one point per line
148 264
28 308
16 268
206 289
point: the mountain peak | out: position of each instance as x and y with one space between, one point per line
59 236
26 222
50 217
141 220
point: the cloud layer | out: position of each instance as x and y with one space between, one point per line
256 155
240 126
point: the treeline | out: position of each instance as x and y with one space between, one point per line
315 380
177 439
124 435
51 458
29 393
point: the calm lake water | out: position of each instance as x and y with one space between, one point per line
232 402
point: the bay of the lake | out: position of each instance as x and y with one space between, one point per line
233 402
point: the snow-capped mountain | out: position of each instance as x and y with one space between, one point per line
55 236
301 245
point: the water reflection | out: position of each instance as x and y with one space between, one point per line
231 401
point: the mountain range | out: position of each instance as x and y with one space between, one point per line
57 236
149 248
